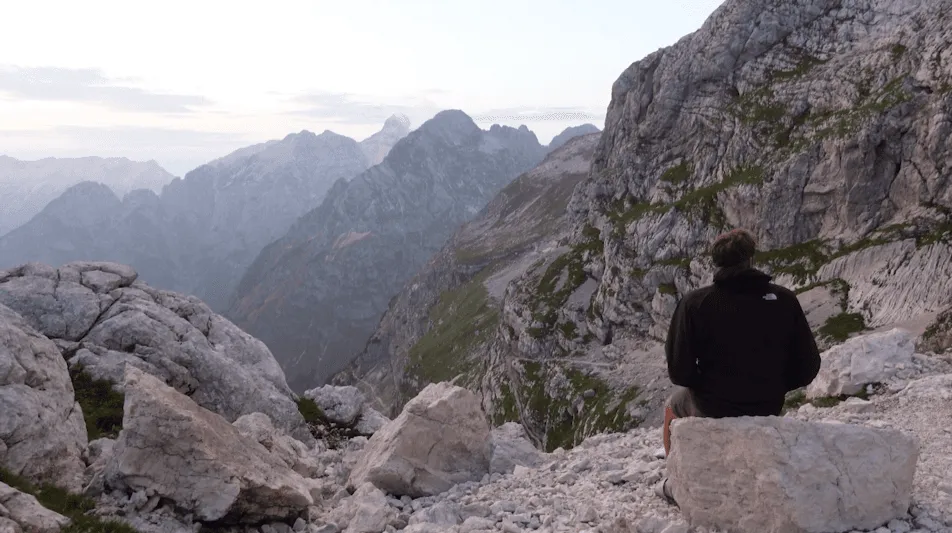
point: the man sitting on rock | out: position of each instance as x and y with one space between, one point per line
735 348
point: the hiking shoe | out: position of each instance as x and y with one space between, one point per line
664 492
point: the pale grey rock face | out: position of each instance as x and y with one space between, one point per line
104 320
200 234
780 475
27 513
441 439
314 295
876 358
340 404
511 447
42 433
174 448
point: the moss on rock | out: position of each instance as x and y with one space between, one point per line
102 405
72 506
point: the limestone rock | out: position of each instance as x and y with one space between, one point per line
177 450
440 439
294 453
42 433
105 320
938 336
873 358
340 404
511 447
780 475
27 513
370 421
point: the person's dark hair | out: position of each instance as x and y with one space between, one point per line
736 247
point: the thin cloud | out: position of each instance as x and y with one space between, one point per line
538 114
345 108
90 86
177 150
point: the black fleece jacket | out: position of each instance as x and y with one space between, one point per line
740 345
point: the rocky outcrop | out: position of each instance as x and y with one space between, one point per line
779 475
439 440
103 319
171 448
441 324
24 514
938 336
315 295
42 434
200 234
570 133
28 186
870 359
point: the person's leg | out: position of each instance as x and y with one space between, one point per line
666 431
679 405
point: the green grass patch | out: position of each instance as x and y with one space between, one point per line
941 233
803 67
897 51
621 216
72 506
702 202
668 288
561 278
839 327
462 319
553 414
801 260
680 262
101 404
310 411
678 174
506 409
569 330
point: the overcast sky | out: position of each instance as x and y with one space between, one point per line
184 82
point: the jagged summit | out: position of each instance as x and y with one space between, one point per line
397 122
378 145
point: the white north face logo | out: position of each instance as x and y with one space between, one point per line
770 296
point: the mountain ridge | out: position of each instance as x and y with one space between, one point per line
369 235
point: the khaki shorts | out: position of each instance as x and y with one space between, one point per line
682 403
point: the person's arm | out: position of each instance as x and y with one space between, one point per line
804 362
680 348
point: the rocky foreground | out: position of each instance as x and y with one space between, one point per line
867 449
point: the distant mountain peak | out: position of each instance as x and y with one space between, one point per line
378 145
397 122
570 133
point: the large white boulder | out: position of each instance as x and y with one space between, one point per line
873 358
781 475
103 319
440 439
27 513
42 433
340 404
171 447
